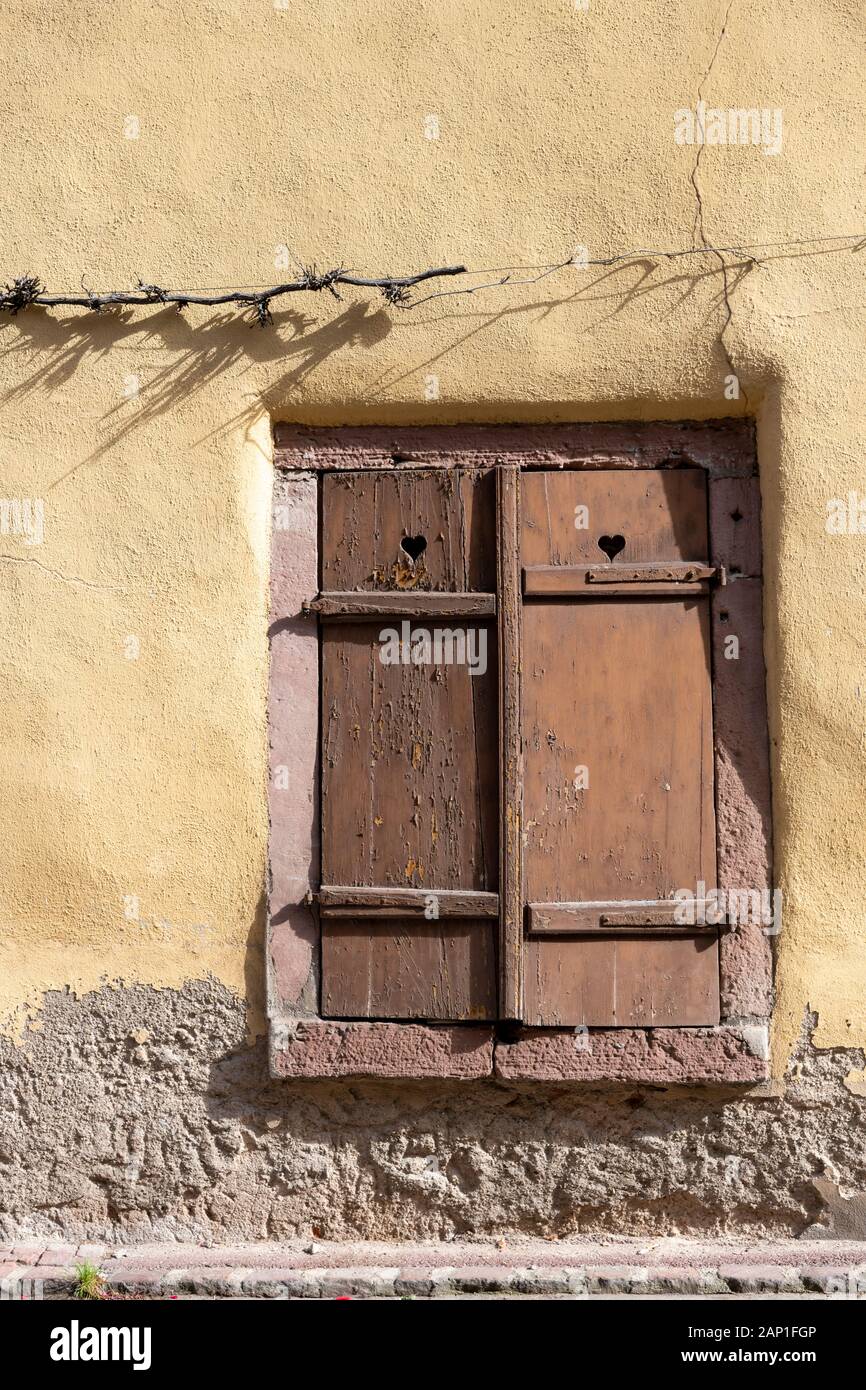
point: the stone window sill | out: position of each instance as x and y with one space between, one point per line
728 1055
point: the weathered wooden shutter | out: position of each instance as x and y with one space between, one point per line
506 844
618 808
409 903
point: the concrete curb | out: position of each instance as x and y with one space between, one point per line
590 1269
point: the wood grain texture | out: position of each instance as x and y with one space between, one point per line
409 768
369 515
556 919
437 970
621 688
616 980
660 515
363 607
409 752
618 751
725 451
449 902
584 581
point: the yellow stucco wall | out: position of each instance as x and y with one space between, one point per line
142 776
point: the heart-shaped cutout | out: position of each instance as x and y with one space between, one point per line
414 546
611 545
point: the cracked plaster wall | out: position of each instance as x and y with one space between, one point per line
133 684
142 1114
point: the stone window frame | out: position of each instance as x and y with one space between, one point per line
301 1043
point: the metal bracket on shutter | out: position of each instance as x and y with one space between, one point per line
585 581
633 919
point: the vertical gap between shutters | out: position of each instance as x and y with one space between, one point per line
509 604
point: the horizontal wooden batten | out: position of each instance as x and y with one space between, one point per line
390 903
373 604
613 581
569 919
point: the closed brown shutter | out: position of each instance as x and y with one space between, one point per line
409 749
505 844
618 749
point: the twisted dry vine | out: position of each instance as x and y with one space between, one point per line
27 290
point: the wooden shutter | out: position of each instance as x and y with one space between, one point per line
616 680
467 871
409 751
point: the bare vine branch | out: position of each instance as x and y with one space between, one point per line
27 290
496 284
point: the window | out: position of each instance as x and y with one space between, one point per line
524 759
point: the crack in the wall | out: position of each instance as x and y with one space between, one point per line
698 223
73 579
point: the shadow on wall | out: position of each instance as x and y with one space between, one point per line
200 351
615 290
192 352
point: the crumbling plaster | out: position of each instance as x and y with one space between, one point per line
142 1114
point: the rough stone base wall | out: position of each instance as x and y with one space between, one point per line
140 1114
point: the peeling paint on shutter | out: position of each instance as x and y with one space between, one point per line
409 746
